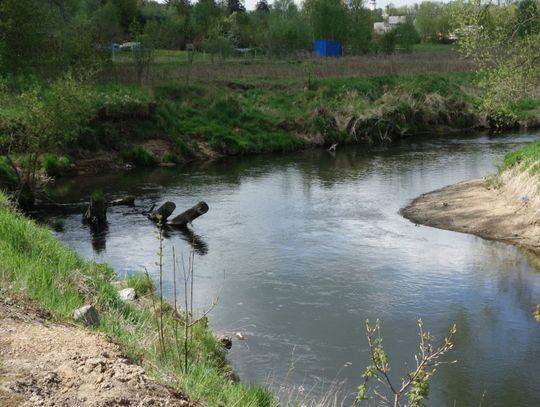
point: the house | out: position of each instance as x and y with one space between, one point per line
389 24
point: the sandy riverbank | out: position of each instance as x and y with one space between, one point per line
503 207
44 362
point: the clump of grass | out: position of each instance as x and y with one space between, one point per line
523 157
55 166
139 156
8 176
35 263
141 283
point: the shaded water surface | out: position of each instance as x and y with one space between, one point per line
302 248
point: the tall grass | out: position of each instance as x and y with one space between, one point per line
523 158
427 61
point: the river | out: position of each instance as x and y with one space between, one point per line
301 248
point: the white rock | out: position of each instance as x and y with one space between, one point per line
239 336
88 315
127 294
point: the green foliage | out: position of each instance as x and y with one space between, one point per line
138 156
387 42
328 19
360 26
47 119
502 41
527 18
406 36
142 284
415 386
288 31
433 20
54 165
8 175
522 158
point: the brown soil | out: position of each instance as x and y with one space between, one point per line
95 162
158 147
47 363
478 207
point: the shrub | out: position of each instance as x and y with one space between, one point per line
139 156
142 284
55 166
8 176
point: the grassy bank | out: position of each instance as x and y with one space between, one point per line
202 120
35 264
525 159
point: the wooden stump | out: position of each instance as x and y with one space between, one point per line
163 212
191 214
96 213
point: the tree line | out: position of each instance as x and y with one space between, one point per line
63 33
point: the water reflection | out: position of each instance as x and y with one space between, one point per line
196 242
98 237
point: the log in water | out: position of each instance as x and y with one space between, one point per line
190 215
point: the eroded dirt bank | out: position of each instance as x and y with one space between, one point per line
503 208
47 363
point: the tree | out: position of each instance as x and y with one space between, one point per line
206 14
406 36
26 42
182 7
432 20
527 17
235 6
106 25
51 116
328 19
262 6
360 26
287 30
127 11
505 49
415 385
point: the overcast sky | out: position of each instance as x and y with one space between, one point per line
250 4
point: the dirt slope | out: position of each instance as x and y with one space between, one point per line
47 363
477 208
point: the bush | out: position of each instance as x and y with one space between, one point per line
55 166
139 156
8 176
142 284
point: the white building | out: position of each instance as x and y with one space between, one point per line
388 25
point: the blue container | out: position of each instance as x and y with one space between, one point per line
327 48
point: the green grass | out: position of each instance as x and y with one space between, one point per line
8 176
33 262
261 116
527 109
252 117
526 157
434 46
139 156
55 166
141 283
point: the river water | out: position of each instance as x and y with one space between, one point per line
301 248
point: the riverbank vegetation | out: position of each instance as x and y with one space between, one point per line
162 97
39 266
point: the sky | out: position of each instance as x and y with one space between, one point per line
250 4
